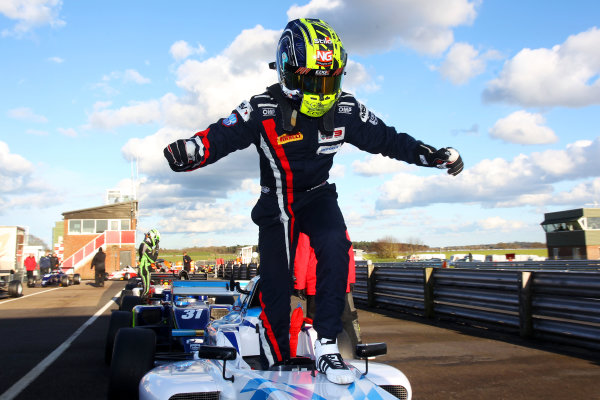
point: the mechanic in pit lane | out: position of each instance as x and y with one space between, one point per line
297 126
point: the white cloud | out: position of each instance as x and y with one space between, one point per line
358 79
499 224
378 165
464 62
31 14
370 27
565 75
131 75
526 180
70 132
250 186
136 113
338 171
180 50
36 132
523 128
56 60
204 218
26 114
15 170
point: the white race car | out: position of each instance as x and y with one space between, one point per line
227 365
124 274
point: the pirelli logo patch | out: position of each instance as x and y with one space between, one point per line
283 139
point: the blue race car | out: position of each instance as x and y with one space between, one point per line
58 277
177 314
227 364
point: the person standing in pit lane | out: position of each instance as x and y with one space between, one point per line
148 253
98 262
297 126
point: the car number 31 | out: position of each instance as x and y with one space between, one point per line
189 314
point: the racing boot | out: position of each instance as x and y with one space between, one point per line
329 362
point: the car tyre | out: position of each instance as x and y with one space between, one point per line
118 320
128 302
133 357
125 292
64 280
15 288
76 279
31 282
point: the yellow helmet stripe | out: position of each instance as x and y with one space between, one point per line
323 46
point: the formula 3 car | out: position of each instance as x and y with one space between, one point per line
58 277
178 315
227 365
124 274
9 285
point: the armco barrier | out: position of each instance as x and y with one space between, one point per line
560 306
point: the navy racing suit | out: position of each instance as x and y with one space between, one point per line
295 159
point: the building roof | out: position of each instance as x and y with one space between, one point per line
123 210
569 215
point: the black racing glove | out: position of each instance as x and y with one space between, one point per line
184 154
444 158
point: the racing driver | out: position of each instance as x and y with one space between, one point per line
297 126
148 253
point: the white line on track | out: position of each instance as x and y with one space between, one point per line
22 383
32 294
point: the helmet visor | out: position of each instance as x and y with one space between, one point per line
315 81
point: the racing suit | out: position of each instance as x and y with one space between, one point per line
148 253
296 155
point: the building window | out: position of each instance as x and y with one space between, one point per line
93 226
74 226
566 226
101 225
593 222
88 226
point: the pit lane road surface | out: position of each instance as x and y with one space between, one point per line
52 347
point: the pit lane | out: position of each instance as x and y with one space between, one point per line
441 362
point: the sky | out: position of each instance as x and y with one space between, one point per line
93 90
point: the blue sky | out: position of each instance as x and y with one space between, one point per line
87 87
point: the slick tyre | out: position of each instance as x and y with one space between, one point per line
126 292
31 282
128 302
133 357
64 280
76 279
15 288
118 320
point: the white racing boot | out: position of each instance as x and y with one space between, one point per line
329 362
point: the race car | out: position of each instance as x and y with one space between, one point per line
178 315
124 274
227 365
58 277
9 285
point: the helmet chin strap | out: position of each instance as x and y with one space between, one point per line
288 115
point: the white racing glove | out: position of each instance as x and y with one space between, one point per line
444 158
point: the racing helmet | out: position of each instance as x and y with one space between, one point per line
310 65
154 236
